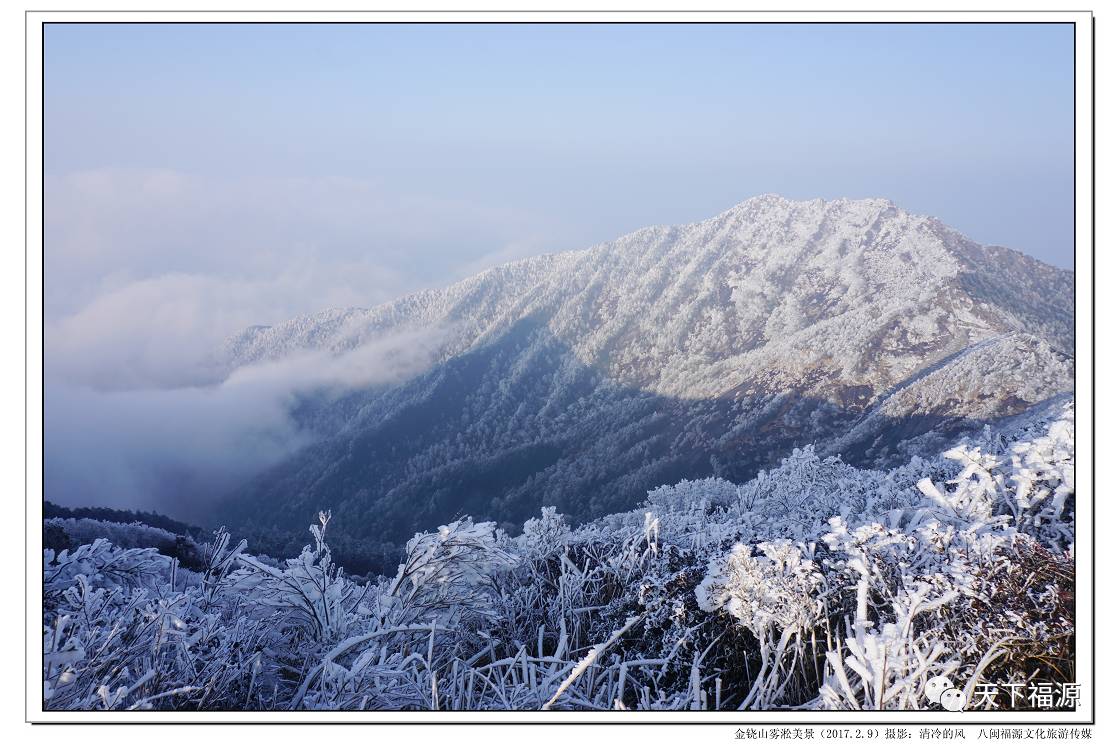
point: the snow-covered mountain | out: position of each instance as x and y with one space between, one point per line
583 379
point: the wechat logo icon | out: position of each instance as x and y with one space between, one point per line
940 690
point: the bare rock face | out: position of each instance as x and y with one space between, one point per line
584 379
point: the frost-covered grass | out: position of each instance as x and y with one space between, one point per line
815 585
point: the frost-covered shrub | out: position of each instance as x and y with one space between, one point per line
1043 483
308 591
1031 590
84 530
545 534
1031 487
772 593
448 575
103 563
796 499
936 592
135 535
766 592
687 494
884 665
119 632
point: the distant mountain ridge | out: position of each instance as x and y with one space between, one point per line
583 379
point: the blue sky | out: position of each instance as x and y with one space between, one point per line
247 173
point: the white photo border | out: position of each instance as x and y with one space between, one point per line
1084 372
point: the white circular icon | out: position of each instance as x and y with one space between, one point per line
935 688
953 699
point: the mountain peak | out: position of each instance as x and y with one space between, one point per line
770 268
585 379
770 200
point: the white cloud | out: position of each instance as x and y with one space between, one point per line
179 450
148 270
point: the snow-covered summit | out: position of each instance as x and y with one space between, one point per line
770 281
584 378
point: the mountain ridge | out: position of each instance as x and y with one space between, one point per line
312 331
712 346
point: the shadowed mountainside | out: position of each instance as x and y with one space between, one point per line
583 379
454 442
